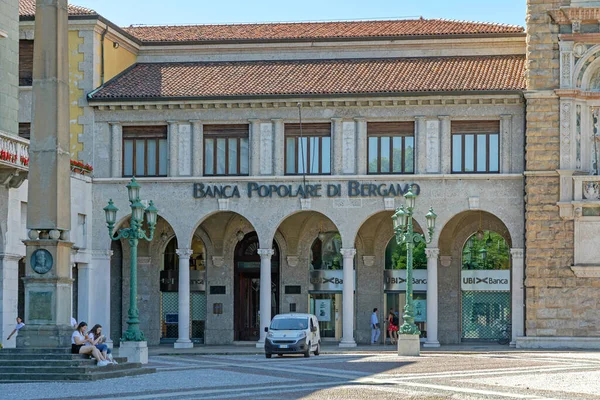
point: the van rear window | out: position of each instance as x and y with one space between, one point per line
289 324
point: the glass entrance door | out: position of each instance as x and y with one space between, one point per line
328 309
397 301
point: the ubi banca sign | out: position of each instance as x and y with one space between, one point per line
491 280
351 189
394 280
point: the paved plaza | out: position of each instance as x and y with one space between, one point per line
351 375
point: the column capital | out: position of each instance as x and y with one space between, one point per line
114 123
348 252
360 119
277 119
336 119
265 252
444 117
10 256
432 252
505 117
195 121
173 122
254 120
184 252
420 118
516 253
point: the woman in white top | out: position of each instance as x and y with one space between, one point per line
20 324
80 344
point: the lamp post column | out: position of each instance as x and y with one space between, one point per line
265 293
184 342
133 329
432 298
348 299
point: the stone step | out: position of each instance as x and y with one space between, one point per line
53 362
40 350
97 374
76 370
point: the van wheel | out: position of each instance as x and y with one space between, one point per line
268 355
307 352
318 349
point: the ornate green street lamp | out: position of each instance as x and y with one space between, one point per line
134 233
403 228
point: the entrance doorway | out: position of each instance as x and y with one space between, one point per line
247 288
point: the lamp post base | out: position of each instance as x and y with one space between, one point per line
134 351
409 345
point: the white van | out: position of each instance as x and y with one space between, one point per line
293 334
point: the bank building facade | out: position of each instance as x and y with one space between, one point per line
277 154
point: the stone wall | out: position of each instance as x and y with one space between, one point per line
9 66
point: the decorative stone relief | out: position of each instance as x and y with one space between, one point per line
388 203
292 261
565 69
579 50
433 146
223 204
305 204
369 261
218 261
565 135
474 203
576 26
185 150
348 147
578 137
266 148
445 261
591 190
41 261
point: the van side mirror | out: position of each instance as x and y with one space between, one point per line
313 329
266 329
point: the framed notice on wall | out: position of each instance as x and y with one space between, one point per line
420 310
323 310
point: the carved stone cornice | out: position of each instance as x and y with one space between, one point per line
586 271
569 15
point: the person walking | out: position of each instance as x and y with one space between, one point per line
18 327
375 331
392 326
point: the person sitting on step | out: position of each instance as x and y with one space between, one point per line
80 344
97 339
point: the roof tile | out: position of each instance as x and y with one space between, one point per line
317 30
315 77
27 9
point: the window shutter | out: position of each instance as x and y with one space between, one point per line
323 129
226 130
475 127
25 62
405 128
145 131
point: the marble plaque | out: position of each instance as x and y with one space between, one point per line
40 306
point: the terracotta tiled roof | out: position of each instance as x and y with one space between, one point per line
316 30
27 9
315 77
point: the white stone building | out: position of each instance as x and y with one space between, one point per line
260 214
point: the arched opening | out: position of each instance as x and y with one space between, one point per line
247 287
169 292
474 278
485 286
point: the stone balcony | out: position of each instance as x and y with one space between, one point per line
14 160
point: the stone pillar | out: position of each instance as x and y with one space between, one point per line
279 144
348 299
197 147
254 147
184 341
98 279
116 152
361 145
432 297
48 284
505 137
446 144
265 293
266 148
518 299
420 151
173 148
9 296
336 144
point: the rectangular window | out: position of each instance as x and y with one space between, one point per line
25 62
226 150
390 147
309 151
475 146
25 130
145 150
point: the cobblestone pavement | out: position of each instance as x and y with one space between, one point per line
538 375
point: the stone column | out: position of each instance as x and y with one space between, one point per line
116 152
48 284
518 311
173 148
98 279
254 147
184 341
265 293
432 297
266 148
197 147
279 145
9 296
348 299
361 145
336 144
420 151
84 294
446 144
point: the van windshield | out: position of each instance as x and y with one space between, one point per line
291 324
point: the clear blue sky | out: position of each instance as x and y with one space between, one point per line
153 12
